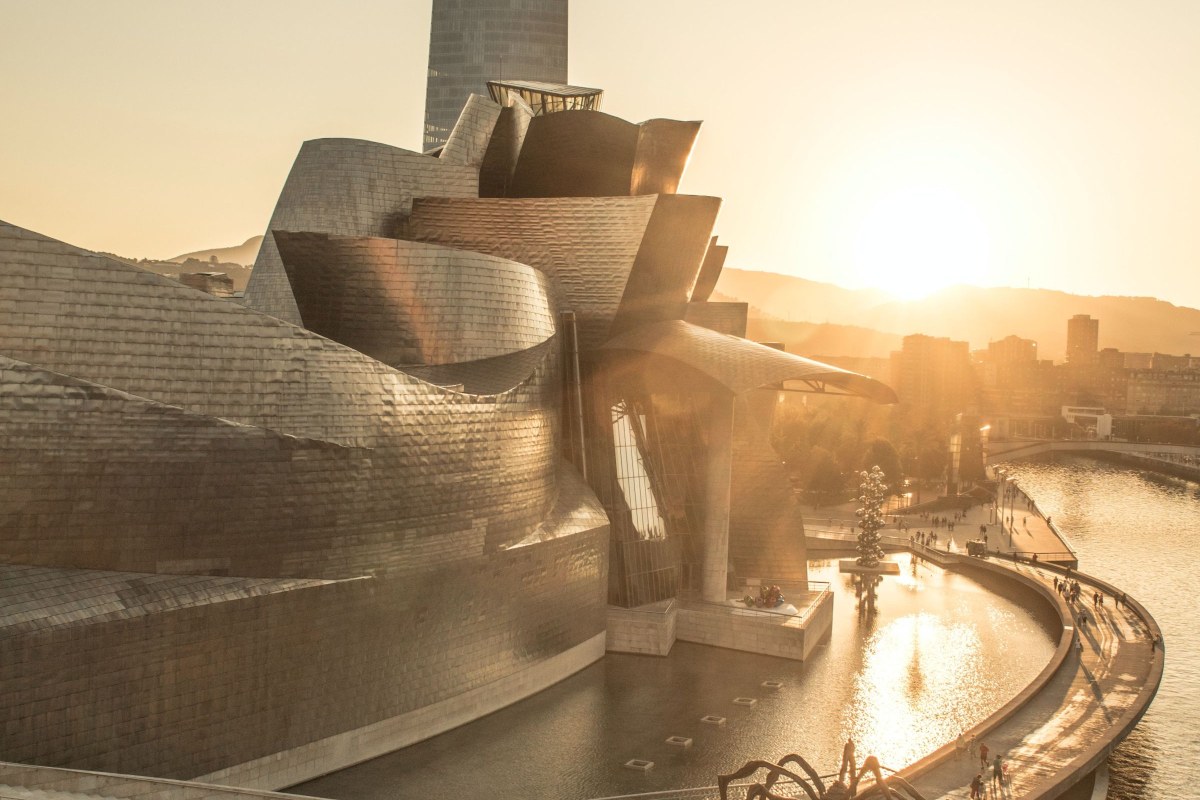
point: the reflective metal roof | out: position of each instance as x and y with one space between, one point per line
741 365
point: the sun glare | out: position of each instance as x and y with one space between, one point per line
916 240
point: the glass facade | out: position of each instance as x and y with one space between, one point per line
472 41
646 455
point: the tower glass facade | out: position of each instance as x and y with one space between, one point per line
472 41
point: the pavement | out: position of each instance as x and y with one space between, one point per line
1085 708
1028 533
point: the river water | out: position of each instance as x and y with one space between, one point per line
942 652
1139 531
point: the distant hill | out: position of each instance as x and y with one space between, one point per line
972 313
790 298
810 339
980 315
243 254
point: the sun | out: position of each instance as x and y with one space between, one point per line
918 239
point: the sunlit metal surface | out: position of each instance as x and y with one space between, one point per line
740 365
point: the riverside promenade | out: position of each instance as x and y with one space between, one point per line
1062 727
1029 533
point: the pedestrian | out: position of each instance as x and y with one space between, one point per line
977 787
998 772
983 756
960 745
1079 647
1056 583
971 746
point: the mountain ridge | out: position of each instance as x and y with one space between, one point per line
973 313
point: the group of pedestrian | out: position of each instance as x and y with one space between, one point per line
928 539
972 748
1070 590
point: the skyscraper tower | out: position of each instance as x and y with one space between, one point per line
473 41
1083 339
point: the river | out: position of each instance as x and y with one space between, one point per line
1139 531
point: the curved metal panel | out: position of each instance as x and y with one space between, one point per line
349 187
469 140
504 149
668 260
740 365
587 245
576 154
664 147
593 154
710 271
406 303
354 465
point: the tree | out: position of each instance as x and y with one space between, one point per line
882 453
825 481
870 517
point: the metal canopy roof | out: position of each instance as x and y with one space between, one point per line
547 98
741 365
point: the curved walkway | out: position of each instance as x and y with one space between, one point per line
1086 701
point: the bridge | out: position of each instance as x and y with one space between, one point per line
1180 460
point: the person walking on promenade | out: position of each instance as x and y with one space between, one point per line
960 744
1056 583
977 786
1079 647
983 756
971 746
998 772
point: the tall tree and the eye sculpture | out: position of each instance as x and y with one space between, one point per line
870 515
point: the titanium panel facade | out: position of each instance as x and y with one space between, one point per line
472 41
629 257
593 154
251 543
405 303
352 188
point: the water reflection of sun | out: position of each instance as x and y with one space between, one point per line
916 689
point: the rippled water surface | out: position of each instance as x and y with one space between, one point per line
942 652
1141 532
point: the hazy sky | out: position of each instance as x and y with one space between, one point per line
901 144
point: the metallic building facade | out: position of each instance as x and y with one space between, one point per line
473 41
462 410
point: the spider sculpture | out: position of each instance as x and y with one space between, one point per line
884 788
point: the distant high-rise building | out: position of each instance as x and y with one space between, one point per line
472 41
1012 350
1083 339
932 372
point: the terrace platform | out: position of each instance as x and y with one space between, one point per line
652 629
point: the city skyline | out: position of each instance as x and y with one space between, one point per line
1052 144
